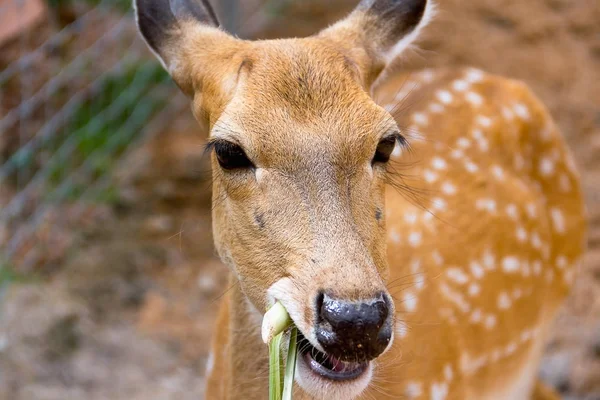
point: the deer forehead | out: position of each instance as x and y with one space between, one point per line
299 101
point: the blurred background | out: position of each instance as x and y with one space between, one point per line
108 279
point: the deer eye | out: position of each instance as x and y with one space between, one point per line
231 156
384 149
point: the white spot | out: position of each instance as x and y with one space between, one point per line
420 119
409 301
521 234
439 204
457 154
477 134
436 108
471 167
474 99
407 87
568 276
525 269
517 293
503 301
401 329
415 266
210 363
457 276
536 242
510 264
512 212
206 283
444 96
510 349
410 218
561 262
519 162
394 235
474 289
507 113
486 204
537 267
483 144
448 373
498 172
419 281
437 258
439 163
414 239
389 107
430 176
463 142
531 210
490 321
496 355
546 167
476 316
455 297
413 390
476 270
459 85
448 188
558 220
397 151
439 391
448 314
484 121
521 110
427 75
489 260
474 75
564 183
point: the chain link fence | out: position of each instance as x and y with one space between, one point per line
78 91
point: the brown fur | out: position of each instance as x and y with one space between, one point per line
439 333
483 228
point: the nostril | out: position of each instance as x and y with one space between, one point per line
351 327
319 303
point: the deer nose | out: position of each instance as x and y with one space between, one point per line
354 330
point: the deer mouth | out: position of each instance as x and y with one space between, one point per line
328 366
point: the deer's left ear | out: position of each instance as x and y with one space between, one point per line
379 30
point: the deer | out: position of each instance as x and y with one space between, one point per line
422 228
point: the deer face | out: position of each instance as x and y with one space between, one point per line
299 153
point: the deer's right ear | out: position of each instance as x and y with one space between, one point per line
182 34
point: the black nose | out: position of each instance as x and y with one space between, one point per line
354 331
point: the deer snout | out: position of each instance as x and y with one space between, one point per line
354 330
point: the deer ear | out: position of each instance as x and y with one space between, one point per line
379 30
176 29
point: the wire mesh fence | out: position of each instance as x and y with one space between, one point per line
78 91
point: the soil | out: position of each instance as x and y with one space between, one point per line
129 313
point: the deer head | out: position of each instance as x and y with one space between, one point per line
299 153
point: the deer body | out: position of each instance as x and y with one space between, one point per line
433 273
479 269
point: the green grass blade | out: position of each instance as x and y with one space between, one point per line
290 367
275 375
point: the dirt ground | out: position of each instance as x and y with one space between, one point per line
129 315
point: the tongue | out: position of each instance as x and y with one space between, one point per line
338 365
